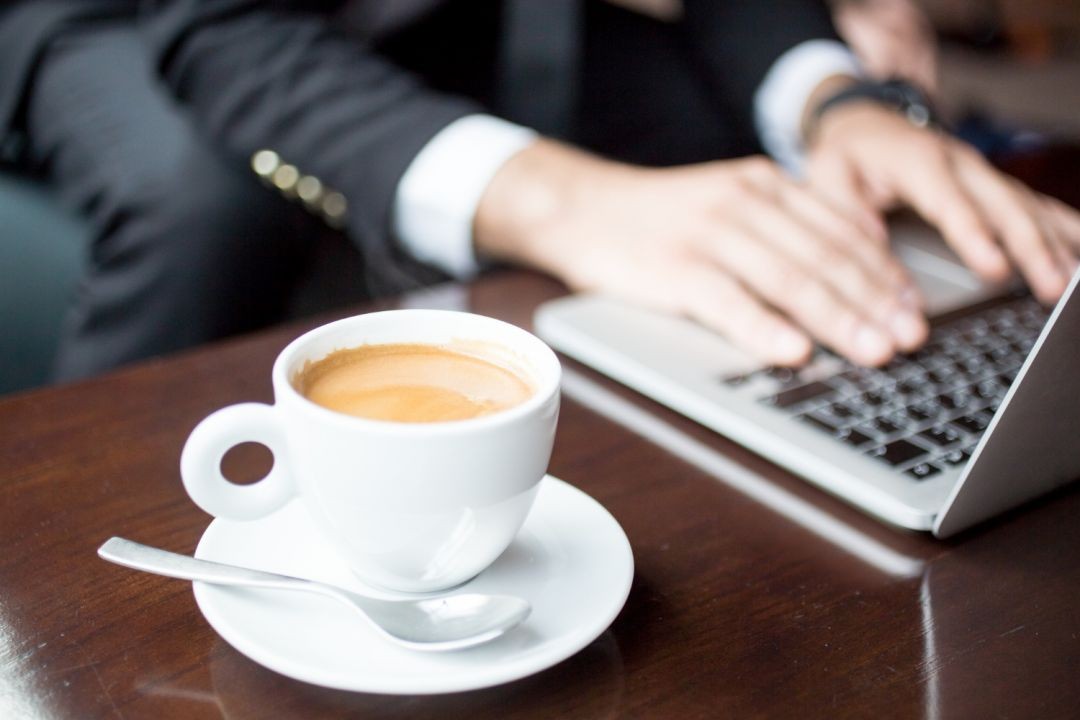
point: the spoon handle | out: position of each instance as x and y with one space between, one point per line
162 562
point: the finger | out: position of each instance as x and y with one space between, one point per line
1014 214
800 295
717 301
845 234
1066 220
1066 261
1064 252
927 180
837 180
861 289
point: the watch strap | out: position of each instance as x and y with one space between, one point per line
902 96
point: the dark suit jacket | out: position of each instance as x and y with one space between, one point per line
276 74
26 27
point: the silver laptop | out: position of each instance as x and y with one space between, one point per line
983 418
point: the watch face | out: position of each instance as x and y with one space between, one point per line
918 115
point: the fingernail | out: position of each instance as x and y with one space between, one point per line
995 262
791 344
908 329
871 344
1062 283
1053 288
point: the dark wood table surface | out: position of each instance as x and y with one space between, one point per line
755 595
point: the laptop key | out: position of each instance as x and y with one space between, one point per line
954 400
898 452
783 375
971 423
1003 379
920 412
840 410
922 471
959 456
1032 318
735 380
852 437
860 378
868 429
885 426
873 398
990 390
942 376
799 394
819 422
907 387
900 420
940 436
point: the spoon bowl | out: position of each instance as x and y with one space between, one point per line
450 622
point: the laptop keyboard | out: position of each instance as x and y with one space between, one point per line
923 412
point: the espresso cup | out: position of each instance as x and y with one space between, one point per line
411 506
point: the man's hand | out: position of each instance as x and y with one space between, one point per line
892 38
867 158
735 245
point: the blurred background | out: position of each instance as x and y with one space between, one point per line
1008 81
1016 61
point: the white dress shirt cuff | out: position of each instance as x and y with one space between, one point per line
437 197
783 94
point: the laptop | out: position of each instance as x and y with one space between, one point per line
983 418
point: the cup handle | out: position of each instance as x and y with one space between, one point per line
200 463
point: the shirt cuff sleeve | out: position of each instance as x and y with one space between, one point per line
437 196
782 95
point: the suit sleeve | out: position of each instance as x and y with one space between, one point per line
26 29
258 77
737 42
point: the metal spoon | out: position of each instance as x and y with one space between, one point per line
440 623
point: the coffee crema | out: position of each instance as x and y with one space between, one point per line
411 383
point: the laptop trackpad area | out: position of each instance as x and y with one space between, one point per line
945 282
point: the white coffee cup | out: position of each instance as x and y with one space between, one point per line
414 507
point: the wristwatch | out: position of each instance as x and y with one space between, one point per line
908 100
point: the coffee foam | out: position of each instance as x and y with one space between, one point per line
412 383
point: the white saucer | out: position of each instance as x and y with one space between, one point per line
571 560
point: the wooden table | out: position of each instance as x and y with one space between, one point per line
754 595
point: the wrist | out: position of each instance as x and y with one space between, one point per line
894 96
534 193
811 117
